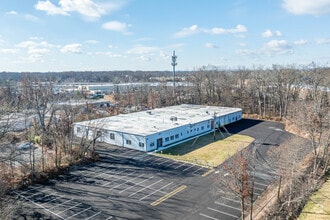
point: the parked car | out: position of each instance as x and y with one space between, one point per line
25 146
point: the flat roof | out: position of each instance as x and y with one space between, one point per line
160 119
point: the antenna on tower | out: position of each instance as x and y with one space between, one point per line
174 63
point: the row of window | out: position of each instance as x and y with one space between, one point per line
129 142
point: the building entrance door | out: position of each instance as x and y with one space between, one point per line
159 142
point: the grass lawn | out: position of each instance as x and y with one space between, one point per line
318 206
206 151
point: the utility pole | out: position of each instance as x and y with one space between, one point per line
174 63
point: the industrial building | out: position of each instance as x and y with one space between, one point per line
159 128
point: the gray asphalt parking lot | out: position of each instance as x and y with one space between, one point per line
129 184
128 175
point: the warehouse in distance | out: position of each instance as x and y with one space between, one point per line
157 129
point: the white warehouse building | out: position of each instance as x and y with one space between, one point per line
159 128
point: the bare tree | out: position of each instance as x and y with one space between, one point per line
235 176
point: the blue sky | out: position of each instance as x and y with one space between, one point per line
84 35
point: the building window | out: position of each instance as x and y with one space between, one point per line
129 142
112 136
208 126
197 129
187 132
172 137
202 127
176 136
78 129
167 139
141 144
152 144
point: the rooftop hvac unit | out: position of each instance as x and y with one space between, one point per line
173 118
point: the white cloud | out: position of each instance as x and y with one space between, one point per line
72 48
271 48
31 18
247 52
139 49
210 45
300 42
116 26
145 58
50 8
8 50
11 13
323 41
38 51
27 44
239 29
164 55
187 31
110 54
268 33
194 29
274 47
87 8
35 50
303 7
92 42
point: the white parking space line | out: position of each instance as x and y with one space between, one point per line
257 188
162 162
232 200
145 187
229 206
41 206
198 170
53 194
54 199
113 175
170 164
60 204
135 184
155 159
182 164
261 184
69 208
188 167
151 157
101 174
79 212
209 217
128 180
33 188
225 213
155 191
109 218
94 215
34 194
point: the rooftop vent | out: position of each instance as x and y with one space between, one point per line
173 118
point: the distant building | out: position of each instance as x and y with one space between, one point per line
157 129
